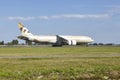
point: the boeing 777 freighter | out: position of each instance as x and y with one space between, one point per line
55 40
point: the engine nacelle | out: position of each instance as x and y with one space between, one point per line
72 42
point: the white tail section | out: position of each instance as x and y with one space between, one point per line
24 30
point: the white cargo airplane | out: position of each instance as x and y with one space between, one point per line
55 40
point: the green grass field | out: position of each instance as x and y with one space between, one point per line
60 63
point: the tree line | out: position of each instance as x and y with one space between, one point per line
13 42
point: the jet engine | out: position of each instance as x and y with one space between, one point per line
72 42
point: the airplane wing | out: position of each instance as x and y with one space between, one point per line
23 37
63 41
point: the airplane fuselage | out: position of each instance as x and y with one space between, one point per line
53 38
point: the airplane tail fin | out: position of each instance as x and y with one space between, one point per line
24 30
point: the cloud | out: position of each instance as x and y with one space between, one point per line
64 16
114 10
43 17
76 16
82 16
21 18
